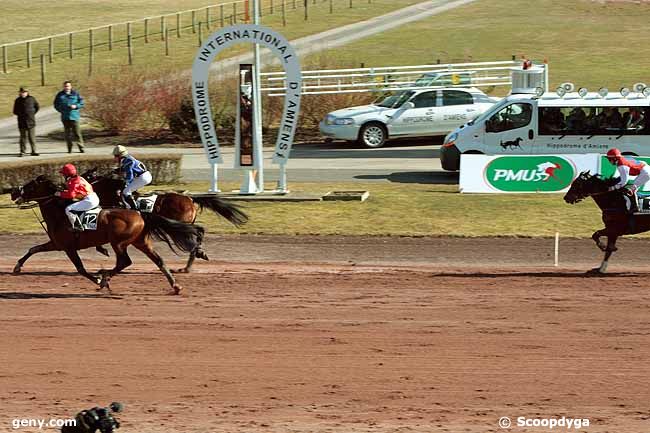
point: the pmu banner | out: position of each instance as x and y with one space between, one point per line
280 47
523 173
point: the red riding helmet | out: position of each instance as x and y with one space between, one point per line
614 153
68 170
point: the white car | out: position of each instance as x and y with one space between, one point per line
407 113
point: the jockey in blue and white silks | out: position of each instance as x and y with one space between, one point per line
135 174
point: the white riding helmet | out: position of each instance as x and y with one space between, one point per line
120 151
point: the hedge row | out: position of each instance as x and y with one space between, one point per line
165 168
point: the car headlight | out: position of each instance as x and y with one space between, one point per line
344 121
451 138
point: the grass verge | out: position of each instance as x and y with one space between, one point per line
151 56
392 209
583 40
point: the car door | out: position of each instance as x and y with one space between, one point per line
417 117
458 108
509 130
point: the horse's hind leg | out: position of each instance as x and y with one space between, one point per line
122 261
146 247
47 246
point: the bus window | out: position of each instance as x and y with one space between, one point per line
510 117
551 121
593 120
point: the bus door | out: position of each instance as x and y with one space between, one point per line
510 130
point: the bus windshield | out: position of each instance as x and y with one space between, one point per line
395 100
486 115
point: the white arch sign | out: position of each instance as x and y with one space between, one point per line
223 39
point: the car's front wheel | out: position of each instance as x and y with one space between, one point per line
373 135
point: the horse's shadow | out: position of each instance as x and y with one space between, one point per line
29 295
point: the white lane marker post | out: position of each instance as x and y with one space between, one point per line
557 248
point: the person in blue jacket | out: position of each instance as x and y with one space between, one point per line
135 174
68 102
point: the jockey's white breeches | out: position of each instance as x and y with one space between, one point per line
91 201
138 182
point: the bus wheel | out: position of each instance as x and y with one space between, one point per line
373 135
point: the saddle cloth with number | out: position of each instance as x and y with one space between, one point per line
146 203
89 218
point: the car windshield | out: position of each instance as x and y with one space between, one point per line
395 100
425 80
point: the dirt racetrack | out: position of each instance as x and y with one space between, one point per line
332 334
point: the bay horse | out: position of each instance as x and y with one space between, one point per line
170 205
614 207
118 227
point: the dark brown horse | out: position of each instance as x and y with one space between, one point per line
614 206
170 205
118 227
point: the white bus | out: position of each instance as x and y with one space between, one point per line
576 122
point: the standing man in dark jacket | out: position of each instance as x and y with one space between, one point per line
26 107
68 102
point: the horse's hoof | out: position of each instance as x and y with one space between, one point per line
17 269
594 271
181 271
176 289
202 255
103 251
103 284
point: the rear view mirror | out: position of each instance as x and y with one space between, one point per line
408 105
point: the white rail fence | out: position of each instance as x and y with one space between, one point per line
393 78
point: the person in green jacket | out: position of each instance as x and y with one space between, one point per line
68 102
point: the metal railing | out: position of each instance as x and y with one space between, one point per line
391 78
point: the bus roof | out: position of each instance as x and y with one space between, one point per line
590 100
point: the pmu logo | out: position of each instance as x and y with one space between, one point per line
529 173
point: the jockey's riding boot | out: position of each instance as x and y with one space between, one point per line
130 202
635 203
76 226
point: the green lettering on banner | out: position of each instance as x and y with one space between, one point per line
529 174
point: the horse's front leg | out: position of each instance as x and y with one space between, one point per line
102 250
48 246
609 249
73 255
596 237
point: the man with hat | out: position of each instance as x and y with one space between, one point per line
26 107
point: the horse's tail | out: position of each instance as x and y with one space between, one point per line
226 209
174 233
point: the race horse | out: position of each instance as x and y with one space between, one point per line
117 227
614 206
170 205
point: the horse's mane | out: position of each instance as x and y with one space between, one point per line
609 181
